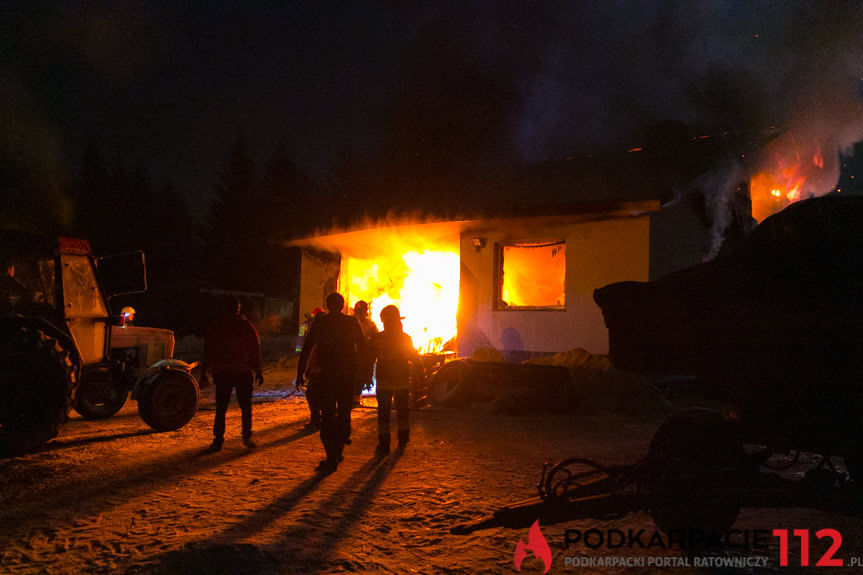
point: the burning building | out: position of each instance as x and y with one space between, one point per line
521 285
520 282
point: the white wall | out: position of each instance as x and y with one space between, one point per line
318 276
598 252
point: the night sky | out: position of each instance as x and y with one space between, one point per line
171 85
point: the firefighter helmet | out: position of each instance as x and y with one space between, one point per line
390 313
314 313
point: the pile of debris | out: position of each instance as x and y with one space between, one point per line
575 381
605 389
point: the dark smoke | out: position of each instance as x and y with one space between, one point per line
437 100
33 167
602 76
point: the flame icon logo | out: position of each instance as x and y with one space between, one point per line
537 544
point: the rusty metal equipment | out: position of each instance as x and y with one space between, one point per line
774 328
695 484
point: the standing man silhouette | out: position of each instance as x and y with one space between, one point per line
337 342
232 351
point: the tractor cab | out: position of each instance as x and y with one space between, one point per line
60 345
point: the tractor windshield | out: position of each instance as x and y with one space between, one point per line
26 280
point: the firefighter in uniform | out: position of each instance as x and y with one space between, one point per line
397 360
364 379
337 342
304 328
311 372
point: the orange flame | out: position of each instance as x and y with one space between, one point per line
781 181
533 275
424 285
818 159
415 266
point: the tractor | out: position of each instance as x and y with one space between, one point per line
60 346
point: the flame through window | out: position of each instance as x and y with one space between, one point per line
532 275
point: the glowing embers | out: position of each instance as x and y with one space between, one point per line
532 275
424 285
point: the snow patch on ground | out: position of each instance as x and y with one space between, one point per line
112 496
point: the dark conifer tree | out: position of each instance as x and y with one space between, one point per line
289 198
287 209
230 233
123 207
175 236
161 226
34 174
90 190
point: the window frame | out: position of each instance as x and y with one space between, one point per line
497 299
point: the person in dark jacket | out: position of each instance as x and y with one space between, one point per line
337 342
232 351
397 361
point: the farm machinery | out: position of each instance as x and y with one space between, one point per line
60 347
773 332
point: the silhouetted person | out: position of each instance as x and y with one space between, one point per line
312 373
397 360
13 293
367 363
337 341
232 351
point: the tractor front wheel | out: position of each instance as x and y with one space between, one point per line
169 400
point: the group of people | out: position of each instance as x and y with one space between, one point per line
338 356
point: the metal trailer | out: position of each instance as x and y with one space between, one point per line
774 329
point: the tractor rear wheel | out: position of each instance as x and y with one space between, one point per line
37 382
693 467
169 400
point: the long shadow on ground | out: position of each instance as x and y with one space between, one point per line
318 552
222 554
94 496
66 444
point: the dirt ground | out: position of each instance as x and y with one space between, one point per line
114 497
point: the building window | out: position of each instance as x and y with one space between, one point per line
531 276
